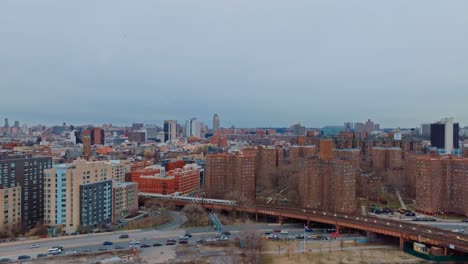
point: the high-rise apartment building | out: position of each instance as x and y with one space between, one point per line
445 136
7 125
170 130
329 183
216 122
10 209
441 184
386 158
77 194
25 172
227 173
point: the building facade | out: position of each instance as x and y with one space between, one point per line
66 187
124 199
216 122
10 213
26 172
233 172
95 203
170 130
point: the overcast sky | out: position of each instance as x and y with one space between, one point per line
255 63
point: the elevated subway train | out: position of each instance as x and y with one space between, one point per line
186 198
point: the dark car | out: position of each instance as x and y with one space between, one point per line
267 233
157 244
183 241
188 235
123 236
5 260
41 255
145 246
107 243
300 236
226 233
102 249
410 214
119 247
170 242
24 257
200 241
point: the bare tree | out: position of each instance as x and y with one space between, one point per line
196 214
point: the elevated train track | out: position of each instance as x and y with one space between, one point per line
405 231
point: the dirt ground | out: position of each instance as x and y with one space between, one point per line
356 256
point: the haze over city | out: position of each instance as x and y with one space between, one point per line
256 63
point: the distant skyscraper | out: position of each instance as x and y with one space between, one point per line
445 135
170 130
7 125
426 130
192 128
298 129
348 126
216 122
17 124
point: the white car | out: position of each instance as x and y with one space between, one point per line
34 246
135 242
284 232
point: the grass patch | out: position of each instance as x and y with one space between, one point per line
149 222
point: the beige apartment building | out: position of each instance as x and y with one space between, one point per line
79 193
124 199
10 213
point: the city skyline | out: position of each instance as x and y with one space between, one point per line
309 61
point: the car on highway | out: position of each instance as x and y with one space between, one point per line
188 234
5 260
183 241
458 230
276 230
157 244
102 249
226 233
145 246
410 214
134 242
34 246
122 236
24 257
267 233
200 241
273 237
301 236
133 246
107 243
170 242
55 250
465 220
284 232
42 255
71 252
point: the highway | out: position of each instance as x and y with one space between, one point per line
93 242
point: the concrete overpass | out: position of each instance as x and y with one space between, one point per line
405 231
